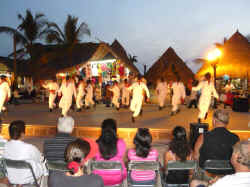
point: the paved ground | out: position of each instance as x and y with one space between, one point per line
34 114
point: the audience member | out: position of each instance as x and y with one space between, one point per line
179 150
54 148
16 149
143 152
218 143
2 141
77 154
241 162
111 149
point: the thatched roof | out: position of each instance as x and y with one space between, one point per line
120 51
235 60
168 66
58 58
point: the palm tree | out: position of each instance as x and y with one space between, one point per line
26 33
132 59
71 33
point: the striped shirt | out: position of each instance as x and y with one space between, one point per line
137 175
54 148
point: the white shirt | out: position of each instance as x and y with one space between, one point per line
52 86
4 90
138 89
239 179
162 89
19 150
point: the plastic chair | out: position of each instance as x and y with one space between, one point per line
219 167
188 165
21 164
144 165
109 166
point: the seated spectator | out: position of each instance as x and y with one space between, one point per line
143 152
241 162
111 149
2 140
16 149
179 150
77 154
218 143
54 148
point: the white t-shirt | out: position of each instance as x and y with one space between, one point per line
19 150
239 179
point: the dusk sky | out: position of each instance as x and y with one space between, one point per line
145 28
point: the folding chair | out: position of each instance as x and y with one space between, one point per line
109 166
180 166
218 167
21 164
57 166
144 165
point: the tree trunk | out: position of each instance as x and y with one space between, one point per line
15 63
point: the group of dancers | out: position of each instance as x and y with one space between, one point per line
132 94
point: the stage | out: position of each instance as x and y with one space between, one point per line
40 122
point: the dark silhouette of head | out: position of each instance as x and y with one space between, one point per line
208 76
108 140
179 145
16 129
142 141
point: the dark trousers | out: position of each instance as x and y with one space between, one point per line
193 102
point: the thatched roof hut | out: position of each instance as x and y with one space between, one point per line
168 66
56 58
120 51
235 59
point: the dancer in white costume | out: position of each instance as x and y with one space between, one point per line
179 93
125 94
67 90
4 93
207 91
89 95
80 94
53 88
161 91
138 89
116 95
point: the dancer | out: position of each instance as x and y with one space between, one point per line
53 88
207 91
80 94
125 94
161 91
138 89
116 95
67 90
4 93
178 94
89 95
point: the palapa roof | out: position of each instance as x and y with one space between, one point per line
235 59
168 66
56 58
120 51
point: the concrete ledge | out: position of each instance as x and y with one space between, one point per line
94 132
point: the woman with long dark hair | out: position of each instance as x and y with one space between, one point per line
111 148
143 152
179 150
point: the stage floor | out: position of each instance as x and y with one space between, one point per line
38 114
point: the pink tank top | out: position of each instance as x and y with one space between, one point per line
137 175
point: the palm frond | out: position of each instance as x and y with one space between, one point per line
83 29
13 32
53 25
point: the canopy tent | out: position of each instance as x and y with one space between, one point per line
168 66
235 59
